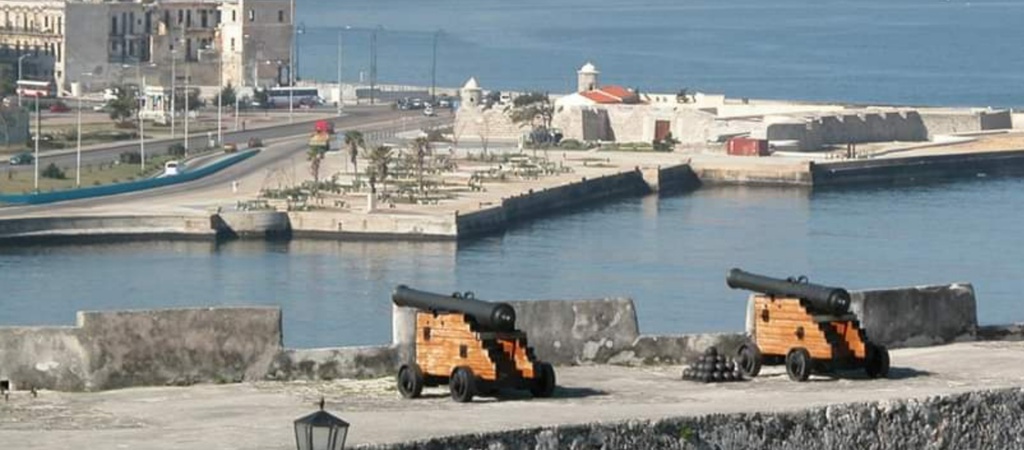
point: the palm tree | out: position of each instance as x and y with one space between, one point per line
315 156
354 140
421 148
380 157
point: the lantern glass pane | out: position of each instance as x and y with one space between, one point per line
321 438
342 433
302 441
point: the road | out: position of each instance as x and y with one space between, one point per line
300 127
282 143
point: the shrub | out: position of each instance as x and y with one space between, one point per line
177 150
130 158
54 172
572 144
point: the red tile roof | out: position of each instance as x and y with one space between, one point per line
600 97
617 91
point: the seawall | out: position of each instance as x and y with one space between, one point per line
921 168
978 420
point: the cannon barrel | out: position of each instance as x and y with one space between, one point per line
492 316
819 298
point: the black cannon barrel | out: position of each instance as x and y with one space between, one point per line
820 298
493 316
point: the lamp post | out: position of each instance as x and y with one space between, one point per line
139 96
291 67
373 64
341 103
35 160
433 70
320 431
78 146
20 58
188 74
220 93
174 79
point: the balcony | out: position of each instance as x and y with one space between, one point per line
48 32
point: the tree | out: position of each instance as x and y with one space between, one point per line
354 140
420 148
194 102
536 110
315 156
262 98
227 95
124 106
380 158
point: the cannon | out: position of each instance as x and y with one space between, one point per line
471 345
807 327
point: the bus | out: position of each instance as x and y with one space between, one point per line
300 96
35 88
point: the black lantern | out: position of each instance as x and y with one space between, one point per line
320 431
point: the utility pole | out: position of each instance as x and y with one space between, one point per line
220 94
16 87
142 127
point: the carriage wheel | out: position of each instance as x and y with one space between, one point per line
410 380
748 359
876 362
798 364
543 384
462 385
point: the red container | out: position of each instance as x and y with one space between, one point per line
744 146
323 126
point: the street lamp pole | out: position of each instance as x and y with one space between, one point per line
174 79
20 58
340 90
291 68
36 159
188 74
142 125
220 94
78 146
373 64
433 70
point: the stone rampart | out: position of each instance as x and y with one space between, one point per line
108 350
983 419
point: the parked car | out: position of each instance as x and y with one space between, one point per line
102 107
428 111
59 107
230 147
255 142
22 159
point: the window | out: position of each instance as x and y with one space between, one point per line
188 18
204 18
113 25
232 44
252 15
280 15
181 16
60 23
46 21
234 16
167 17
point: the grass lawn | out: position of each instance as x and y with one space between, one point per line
20 182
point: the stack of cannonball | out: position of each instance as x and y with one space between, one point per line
713 368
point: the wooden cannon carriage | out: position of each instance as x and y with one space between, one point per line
807 327
470 345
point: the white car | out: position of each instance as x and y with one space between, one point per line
172 168
428 111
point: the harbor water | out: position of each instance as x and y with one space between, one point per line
669 254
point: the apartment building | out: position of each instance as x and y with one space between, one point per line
102 42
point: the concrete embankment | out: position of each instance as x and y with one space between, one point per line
915 169
77 229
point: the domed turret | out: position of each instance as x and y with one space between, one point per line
471 92
586 78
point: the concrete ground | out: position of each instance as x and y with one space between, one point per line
259 415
